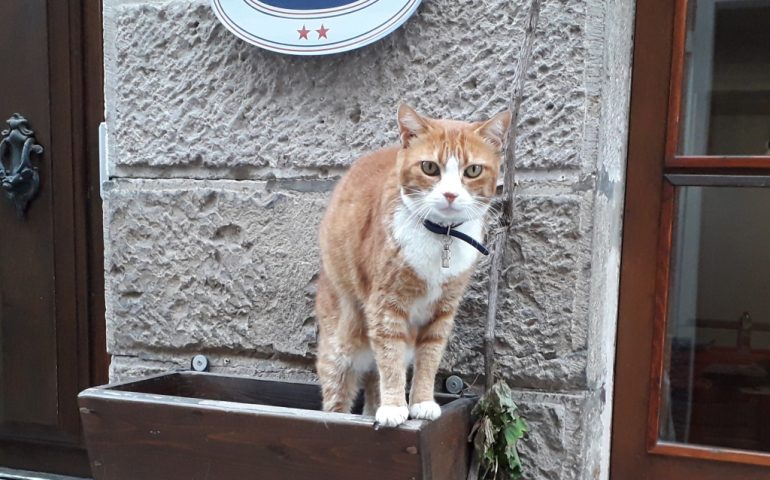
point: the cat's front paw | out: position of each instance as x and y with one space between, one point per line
425 411
390 416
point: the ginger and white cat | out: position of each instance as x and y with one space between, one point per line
384 298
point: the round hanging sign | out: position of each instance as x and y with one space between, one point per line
313 27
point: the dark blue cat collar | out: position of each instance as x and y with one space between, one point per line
450 230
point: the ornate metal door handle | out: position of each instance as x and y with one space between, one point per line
18 177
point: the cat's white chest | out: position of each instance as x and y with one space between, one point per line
423 249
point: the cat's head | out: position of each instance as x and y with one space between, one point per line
448 169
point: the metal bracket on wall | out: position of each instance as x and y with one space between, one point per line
104 165
18 177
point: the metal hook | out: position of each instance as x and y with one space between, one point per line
19 178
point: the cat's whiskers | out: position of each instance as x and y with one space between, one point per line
486 207
420 206
419 210
477 210
427 212
417 213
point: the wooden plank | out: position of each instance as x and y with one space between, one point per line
169 440
647 151
173 390
650 93
46 458
67 209
676 86
444 444
93 104
233 388
135 384
659 350
711 453
711 180
152 401
228 388
190 425
729 163
250 390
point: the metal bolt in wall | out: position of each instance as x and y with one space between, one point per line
200 363
454 384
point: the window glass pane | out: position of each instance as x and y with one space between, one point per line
716 382
726 85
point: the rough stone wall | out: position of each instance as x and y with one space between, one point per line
222 157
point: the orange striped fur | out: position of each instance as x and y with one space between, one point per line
383 298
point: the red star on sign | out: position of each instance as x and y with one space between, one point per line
303 33
322 32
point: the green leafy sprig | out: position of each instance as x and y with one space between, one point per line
496 435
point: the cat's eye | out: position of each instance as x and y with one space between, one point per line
430 168
473 171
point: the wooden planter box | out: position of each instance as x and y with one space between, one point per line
191 425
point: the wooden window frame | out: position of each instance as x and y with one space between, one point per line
689 170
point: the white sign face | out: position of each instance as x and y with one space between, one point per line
312 27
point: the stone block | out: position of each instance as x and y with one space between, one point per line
552 448
185 94
129 367
224 266
124 368
542 304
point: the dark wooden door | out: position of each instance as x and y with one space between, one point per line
664 164
51 294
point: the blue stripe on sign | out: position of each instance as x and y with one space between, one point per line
307 4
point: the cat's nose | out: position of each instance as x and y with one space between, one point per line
450 197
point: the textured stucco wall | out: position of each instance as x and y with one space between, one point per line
222 157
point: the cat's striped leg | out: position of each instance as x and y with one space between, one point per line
339 381
337 342
388 334
371 380
429 348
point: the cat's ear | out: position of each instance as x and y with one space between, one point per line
410 123
495 130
